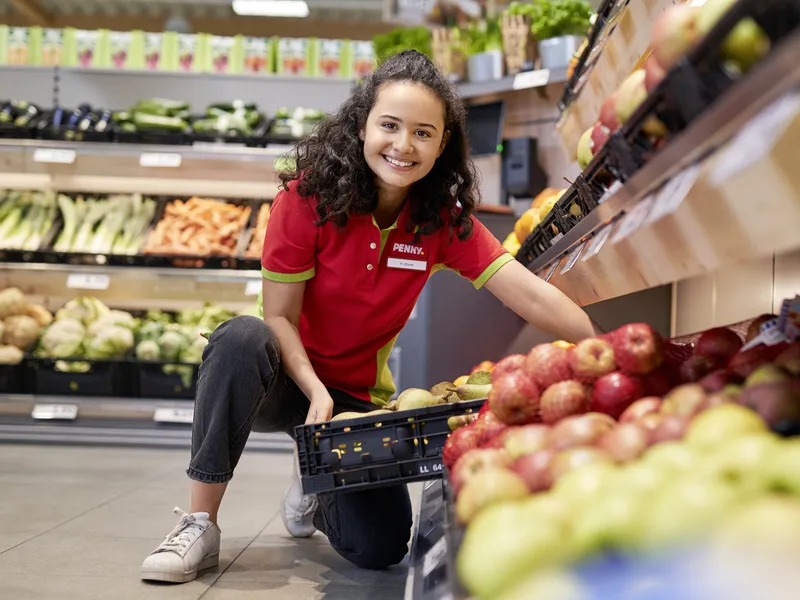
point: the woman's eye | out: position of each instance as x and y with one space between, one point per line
423 133
390 126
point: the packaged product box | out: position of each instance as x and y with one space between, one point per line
333 58
85 48
258 55
191 52
15 46
153 51
362 55
224 54
51 46
296 56
121 45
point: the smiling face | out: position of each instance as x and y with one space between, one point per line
403 135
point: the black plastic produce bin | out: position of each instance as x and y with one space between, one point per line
12 379
154 382
376 450
104 378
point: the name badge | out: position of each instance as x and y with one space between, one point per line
405 263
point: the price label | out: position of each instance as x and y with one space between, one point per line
434 556
557 239
597 242
59 156
55 412
613 189
573 258
549 275
253 288
164 160
634 219
173 415
673 194
531 79
88 281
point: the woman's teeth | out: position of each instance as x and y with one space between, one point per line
397 163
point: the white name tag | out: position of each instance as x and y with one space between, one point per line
404 263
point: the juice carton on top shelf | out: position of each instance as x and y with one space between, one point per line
333 58
363 58
51 47
122 49
224 54
296 56
86 48
258 55
14 45
191 51
153 51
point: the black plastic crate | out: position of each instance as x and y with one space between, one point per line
541 238
104 378
256 140
155 137
376 450
155 382
12 379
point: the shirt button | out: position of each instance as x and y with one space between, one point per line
370 267
373 245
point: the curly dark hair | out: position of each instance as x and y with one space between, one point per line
330 162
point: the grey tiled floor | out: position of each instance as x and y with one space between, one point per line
76 523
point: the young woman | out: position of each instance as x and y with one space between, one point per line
381 197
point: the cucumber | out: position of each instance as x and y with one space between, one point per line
150 121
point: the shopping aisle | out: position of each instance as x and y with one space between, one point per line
76 523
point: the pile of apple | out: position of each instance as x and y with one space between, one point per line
674 34
574 454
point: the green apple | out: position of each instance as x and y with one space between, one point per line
609 522
493 484
771 523
742 461
783 473
746 44
576 488
720 425
642 477
501 548
673 457
545 505
766 374
550 585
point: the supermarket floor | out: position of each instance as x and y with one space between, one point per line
76 523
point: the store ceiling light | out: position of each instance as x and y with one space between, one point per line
271 8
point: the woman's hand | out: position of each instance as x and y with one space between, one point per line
321 408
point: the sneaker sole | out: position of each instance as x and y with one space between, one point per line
209 562
307 530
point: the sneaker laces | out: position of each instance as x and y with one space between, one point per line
186 531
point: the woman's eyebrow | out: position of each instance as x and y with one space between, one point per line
391 118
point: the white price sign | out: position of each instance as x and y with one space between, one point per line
173 415
597 242
88 281
549 275
573 258
55 412
531 79
253 288
434 556
673 194
59 156
634 219
164 160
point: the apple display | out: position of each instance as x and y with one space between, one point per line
459 443
608 116
684 400
489 426
719 343
659 382
717 380
721 425
574 458
592 358
475 461
581 486
746 44
585 148
534 469
640 408
526 439
625 443
548 364
600 135
670 457
673 34
695 368
783 473
487 487
768 373
563 399
637 348
743 461
615 392
515 398
670 429
776 402
510 364
581 430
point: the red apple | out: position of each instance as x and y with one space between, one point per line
659 382
754 329
602 419
581 430
490 486
670 428
715 399
600 135
789 359
474 462
458 443
653 73
615 392
719 343
673 34
499 441
775 402
637 348
489 426
676 354
592 358
510 364
608 117
747 361
514 398
650 421
626 442
548 364
534 469
564 399
572 459
716 381
525 440
684 400
630 94
640 408
697 367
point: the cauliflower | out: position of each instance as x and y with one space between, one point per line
113 317
172 344
85 309
151 331
114 341
10 355
12 302
21 331
40 313
148 350
194 352
63 339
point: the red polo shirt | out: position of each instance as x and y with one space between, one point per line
361 285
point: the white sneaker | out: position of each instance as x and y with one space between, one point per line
298 510
191 547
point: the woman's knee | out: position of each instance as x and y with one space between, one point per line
244 336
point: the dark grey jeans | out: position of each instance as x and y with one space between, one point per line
242 388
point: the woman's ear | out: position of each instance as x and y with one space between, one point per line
445 138
361 134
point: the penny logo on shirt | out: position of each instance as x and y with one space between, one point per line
408 249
